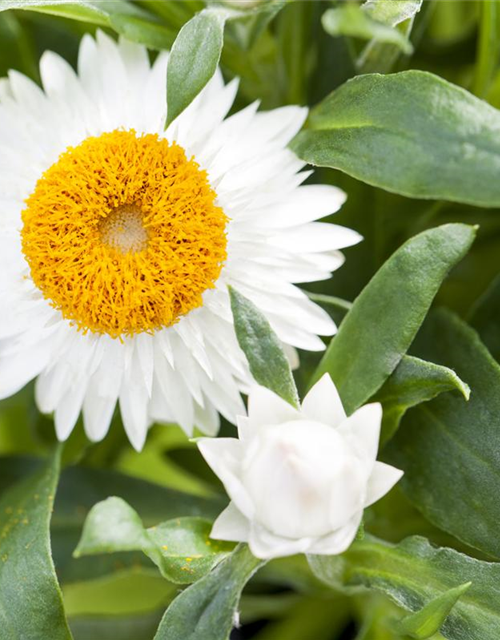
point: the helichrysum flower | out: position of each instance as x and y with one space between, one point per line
299 479
118 240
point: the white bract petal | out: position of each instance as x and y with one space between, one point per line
299 479
125 295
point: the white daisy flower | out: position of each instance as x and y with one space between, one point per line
118 240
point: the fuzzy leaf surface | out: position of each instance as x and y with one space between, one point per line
414 573
31 603
268 363
449 448
206 610
387 314
411 133
180 548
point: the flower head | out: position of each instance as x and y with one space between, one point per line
118 240
299 479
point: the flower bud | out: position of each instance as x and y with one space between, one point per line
299 480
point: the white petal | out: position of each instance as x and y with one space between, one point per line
323 402
316 237
381 481
206 418
223 455
68 410
231 525
267 408
265 545
363 431
338 541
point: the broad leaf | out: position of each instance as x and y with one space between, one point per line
411 133
449 448
194 58
267 361
126 18
351 20
206 610
81 488
425 623
413 573
180 548
412 382
31 602
385 317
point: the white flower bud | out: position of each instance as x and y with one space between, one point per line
299 480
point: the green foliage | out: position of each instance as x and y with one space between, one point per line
351 20
207 609
194 58
414 574
267 361
416 151
449 447
180 548
31 600
404 133
384 319
124 17
426 622
414 381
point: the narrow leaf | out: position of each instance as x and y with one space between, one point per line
267 361
425 623
207 609
180 548
411 133
449 448
413 573
193 59
31 602
386 316
412 382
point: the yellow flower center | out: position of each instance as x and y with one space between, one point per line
122 234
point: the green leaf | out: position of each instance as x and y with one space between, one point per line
268 363
351 20
207 609
485 318
385 317
124 17
31 601
412 382
79 490
411 133
399 14
194 58
392 12
413 573
425 623
94 11
180 548
449 448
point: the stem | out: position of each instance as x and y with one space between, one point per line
488 47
